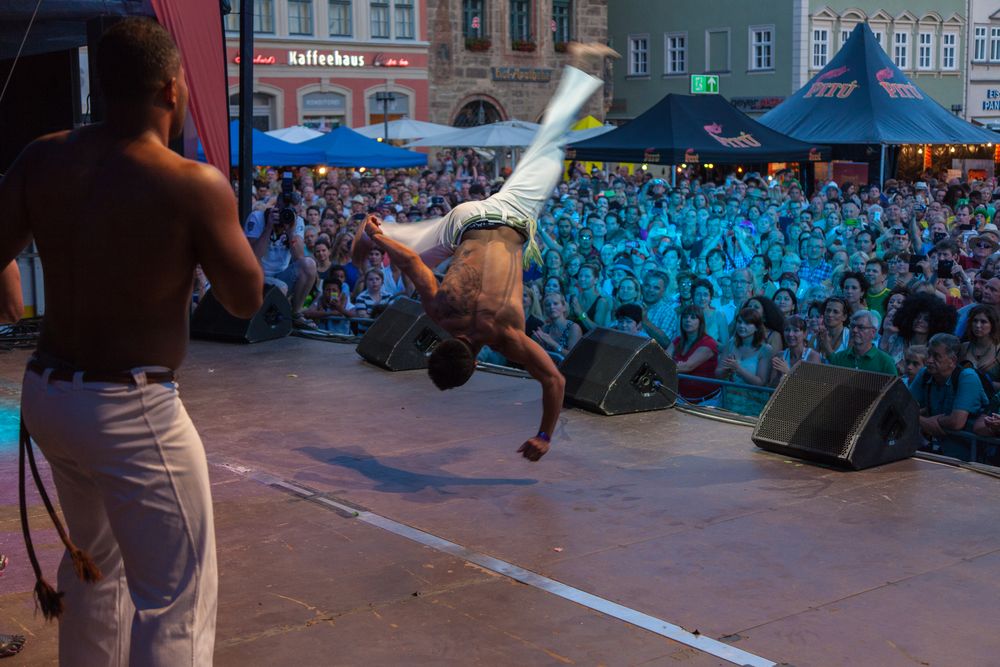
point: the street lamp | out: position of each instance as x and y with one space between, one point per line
385 99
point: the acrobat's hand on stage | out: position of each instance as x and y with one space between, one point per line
534 448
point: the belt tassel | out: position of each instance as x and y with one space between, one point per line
49 599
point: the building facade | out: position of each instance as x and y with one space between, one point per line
501 59
763 52
982 101
324 63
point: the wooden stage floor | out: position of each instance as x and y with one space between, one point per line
662 516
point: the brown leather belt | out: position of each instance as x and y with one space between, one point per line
115 377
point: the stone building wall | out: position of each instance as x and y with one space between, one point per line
518 84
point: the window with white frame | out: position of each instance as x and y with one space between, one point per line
979 44
263 17
949 47
300 17
762 47
339 18
845 34
879 37
821 47
995 44
380 18
638 55
925 51
675 48
901 49
404 19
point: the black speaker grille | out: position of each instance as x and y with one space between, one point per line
809 408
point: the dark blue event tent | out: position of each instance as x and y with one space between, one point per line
343 147
861 97
695 128
267 150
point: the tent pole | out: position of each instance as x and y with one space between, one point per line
246 108
881 166
673 176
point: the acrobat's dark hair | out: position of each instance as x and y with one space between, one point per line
134 58
451 364
941 316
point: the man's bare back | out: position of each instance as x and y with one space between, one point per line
119 239
481 294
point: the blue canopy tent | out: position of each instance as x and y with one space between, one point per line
343 147
267 150
861 97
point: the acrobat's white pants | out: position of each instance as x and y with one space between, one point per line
524 194
132 479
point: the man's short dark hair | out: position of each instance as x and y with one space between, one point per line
632 311
451 364
134 58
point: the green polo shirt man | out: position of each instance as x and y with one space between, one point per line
861 354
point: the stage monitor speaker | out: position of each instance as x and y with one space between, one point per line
614 373
841 417
213 322
401 338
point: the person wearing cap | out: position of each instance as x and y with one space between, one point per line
981 246
490 242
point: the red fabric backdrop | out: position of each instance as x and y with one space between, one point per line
196 26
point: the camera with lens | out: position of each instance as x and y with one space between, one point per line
286 200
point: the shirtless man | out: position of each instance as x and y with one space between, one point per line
119 247
480 300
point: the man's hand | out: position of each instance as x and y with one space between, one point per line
534 448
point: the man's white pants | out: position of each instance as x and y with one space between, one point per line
524 195
132 479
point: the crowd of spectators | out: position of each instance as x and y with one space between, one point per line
740 278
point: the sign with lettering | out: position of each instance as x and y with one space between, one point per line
704 84
992 101
317 58
522 74
259 59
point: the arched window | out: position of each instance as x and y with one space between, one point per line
477 112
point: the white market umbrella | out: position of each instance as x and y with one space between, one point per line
295 134
480 136
523 124
404 128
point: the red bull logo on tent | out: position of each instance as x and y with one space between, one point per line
823 87
896 90
743 140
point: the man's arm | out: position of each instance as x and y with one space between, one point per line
220 246
410 264
15 230
516 346
11 300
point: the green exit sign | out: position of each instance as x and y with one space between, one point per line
705 84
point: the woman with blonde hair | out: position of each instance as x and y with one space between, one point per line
559 334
